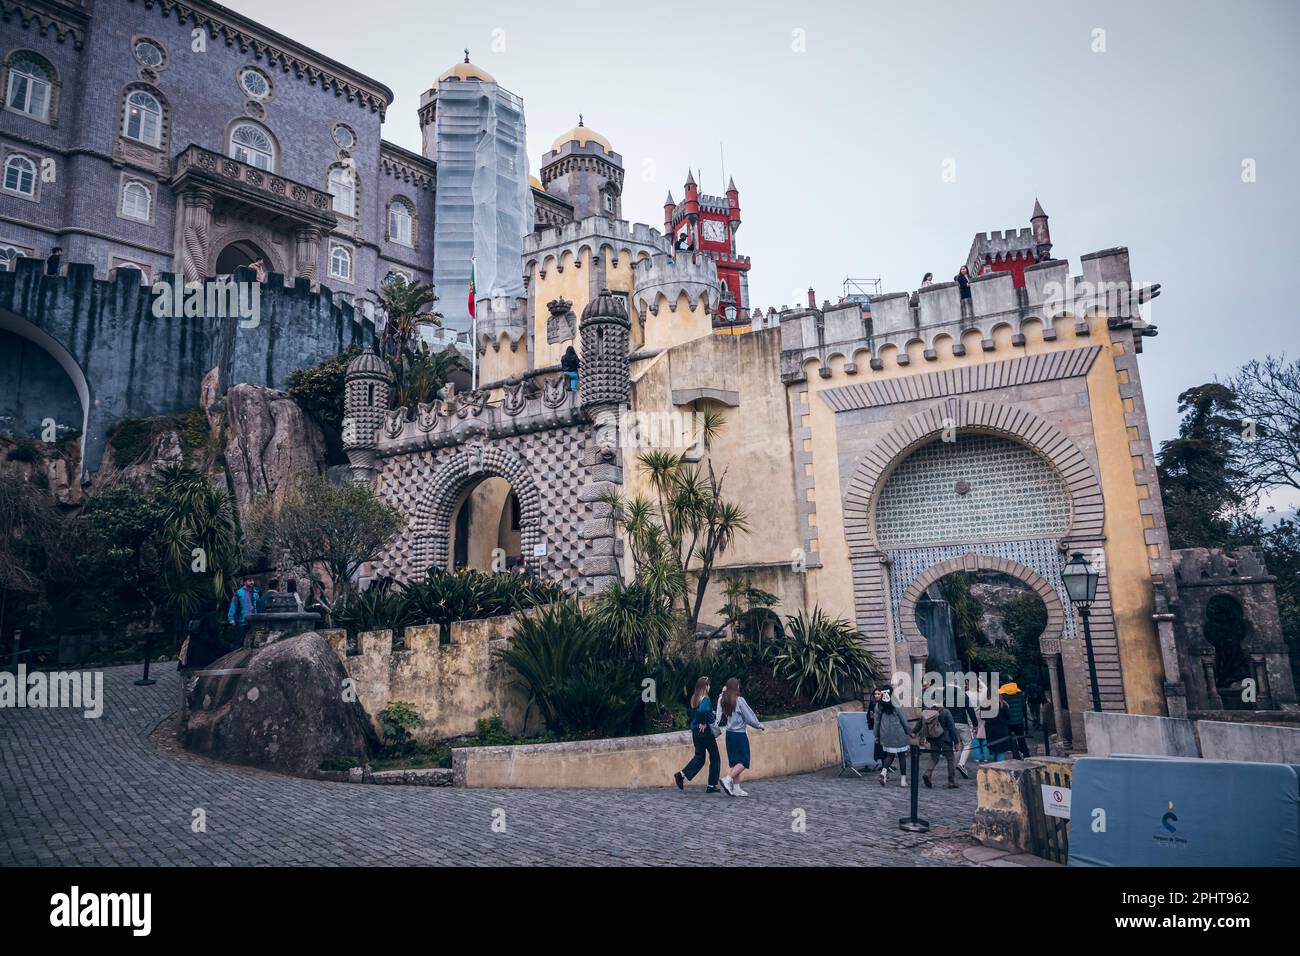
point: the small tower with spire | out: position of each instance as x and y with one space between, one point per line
1042 234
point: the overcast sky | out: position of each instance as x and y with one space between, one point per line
836 119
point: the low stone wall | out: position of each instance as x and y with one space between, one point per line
1110 733
1002 818
793 745
451 686
1248 739
1258 743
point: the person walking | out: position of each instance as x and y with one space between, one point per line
734 715
1035 697
1018 710
941 735
244 603
570 363
704 735
966 719
873 710
895 736
996 732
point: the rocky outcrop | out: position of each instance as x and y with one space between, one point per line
281 707
269 441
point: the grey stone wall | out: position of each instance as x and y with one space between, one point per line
131 364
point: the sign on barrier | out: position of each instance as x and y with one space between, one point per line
1056 801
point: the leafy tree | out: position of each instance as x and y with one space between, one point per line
319 525
32 543
318 390
199 540
419 373
1268 396
1200 478
676 539
967 613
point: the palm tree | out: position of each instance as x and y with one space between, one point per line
401 302
198 537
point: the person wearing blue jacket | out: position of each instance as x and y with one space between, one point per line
247 600
703 727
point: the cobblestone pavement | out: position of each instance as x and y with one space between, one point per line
97 791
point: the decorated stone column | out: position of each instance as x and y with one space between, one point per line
1051 650
196 223
306 252
602 394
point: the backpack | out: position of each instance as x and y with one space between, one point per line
933 725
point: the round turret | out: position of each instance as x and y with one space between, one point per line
365 400
605 329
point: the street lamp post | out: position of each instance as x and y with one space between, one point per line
1081 579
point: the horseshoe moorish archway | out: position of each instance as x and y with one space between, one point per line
431 523
871 562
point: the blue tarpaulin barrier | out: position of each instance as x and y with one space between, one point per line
1177 811
857 742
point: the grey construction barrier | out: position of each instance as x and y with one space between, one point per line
857 742
1179 811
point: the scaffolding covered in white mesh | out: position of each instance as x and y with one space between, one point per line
483 206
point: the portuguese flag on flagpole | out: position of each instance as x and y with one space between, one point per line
471 289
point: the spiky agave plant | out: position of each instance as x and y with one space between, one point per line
545 649
823 657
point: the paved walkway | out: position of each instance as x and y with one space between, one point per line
78 791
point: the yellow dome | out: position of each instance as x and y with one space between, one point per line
584 135
466 71
536 183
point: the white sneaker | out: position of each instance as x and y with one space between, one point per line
902 781
726 785
737 792
884 777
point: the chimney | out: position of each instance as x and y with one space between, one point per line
812 298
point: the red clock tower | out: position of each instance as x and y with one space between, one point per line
707 225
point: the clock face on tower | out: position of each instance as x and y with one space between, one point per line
714 230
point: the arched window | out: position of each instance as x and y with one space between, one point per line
248 144
399 222
30 79
340 263
144 273
143 120
136 201
20 175
9 255
343 187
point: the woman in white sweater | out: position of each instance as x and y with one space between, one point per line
734 715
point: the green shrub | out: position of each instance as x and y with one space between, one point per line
130 440
24 450
491 732
318 390
340 763
398 719
546 649
824 657
990 659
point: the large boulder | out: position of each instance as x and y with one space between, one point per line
269 441
282 708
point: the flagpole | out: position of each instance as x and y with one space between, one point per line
473 345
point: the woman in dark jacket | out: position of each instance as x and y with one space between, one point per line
702 719
997 732
570 363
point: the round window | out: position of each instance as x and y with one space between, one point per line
254 84
344 137
149 53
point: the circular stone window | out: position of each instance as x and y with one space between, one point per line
148 53
344 136
255 83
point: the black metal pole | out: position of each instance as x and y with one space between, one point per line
913 823
1092 662
145 680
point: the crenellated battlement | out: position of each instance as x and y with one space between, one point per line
899 320
666 279
594 233
530 404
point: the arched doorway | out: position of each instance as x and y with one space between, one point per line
503 513
486 532
240 254
52 386
1227 629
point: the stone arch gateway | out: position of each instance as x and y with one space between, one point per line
431 524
